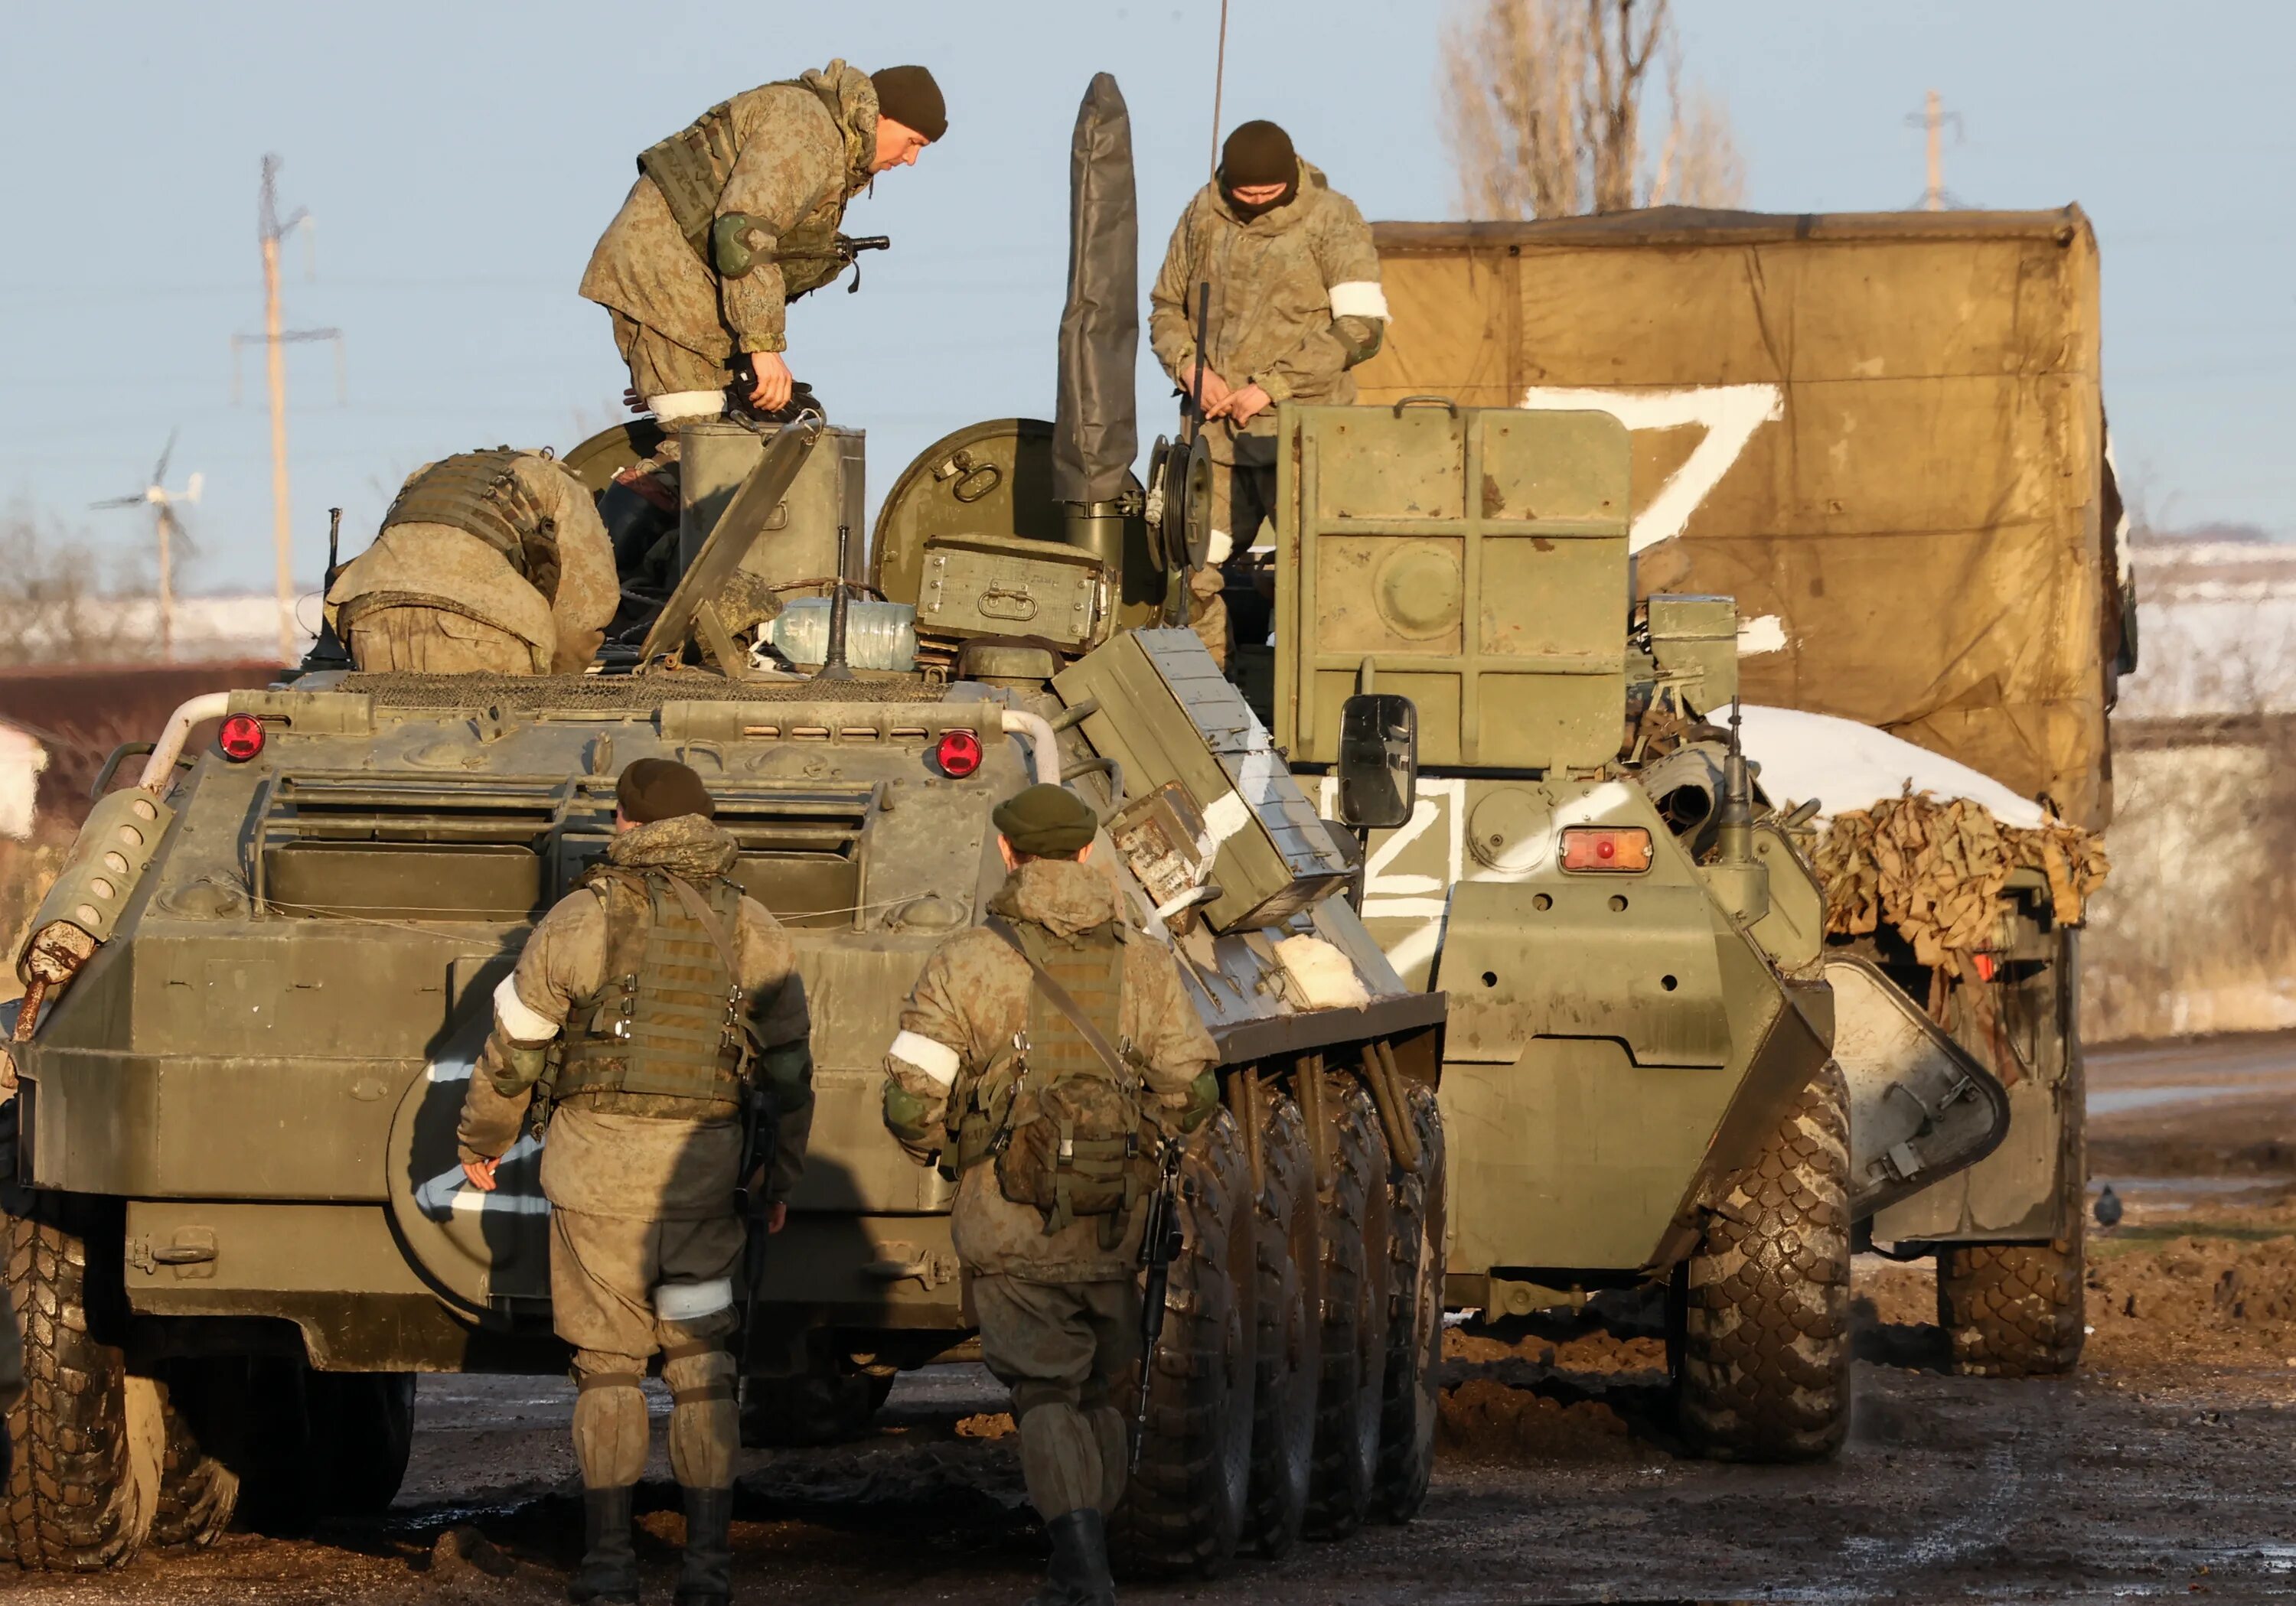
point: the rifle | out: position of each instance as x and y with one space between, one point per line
761 1136
1159 1244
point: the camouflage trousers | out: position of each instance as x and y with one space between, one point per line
660 366
1242 499
623 1288
1059 1347
435 640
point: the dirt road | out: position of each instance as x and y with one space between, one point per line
2159 1470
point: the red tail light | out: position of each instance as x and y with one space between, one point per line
958 754
240 738
1621 848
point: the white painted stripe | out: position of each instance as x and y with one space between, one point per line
1358 299
690 1301
1757 636
1226 815
938 1061
520 1022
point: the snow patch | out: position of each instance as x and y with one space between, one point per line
1848 765
1757 636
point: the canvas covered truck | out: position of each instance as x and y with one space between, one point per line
1883 435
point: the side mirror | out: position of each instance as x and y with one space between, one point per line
1379 761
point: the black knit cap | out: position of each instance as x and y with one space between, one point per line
661 789
910 97
1257 152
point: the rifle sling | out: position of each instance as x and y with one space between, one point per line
1058 997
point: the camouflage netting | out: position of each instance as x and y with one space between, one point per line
510 691
1934 871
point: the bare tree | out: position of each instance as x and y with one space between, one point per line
66 600
1545 111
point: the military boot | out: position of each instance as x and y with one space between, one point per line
1080 1574
610 1556
706 1576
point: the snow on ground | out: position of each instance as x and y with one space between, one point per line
1849 766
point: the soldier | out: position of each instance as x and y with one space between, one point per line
1049 1283
635 1005
735 216
492 562
1295 303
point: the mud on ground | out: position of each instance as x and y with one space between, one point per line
2159 1470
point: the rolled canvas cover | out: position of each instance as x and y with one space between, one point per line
1883 434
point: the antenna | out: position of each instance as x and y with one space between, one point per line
1219 82
271 229
1932 118
170 532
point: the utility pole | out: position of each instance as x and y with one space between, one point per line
271 229
1931 120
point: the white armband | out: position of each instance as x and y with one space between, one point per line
521 1023
1358 299
937 1059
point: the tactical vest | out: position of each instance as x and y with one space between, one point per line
692 167
480 493
1067 1134
669 1033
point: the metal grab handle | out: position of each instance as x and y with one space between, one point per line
125 749
1444 402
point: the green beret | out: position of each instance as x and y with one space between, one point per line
661 789
1050 822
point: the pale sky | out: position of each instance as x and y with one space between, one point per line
460 161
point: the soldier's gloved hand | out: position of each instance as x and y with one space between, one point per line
775 383
480 1173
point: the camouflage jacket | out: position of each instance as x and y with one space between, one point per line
440 566
1296 297
796 163
564 962
962 1016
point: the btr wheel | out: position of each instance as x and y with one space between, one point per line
1185 1508
1763 1306
1415 1317
1283 1415
1351 1211
199 1492
832 1402
80 1498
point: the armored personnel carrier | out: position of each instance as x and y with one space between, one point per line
237 1227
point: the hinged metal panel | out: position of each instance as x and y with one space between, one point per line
1477 557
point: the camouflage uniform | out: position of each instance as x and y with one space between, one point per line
522 584
678 323
645 1243
1058 1311
1296 303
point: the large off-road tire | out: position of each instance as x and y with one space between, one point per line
362 1432
828 1404
1764 1309
1185 1508
199 1493
1285 1353
1414 1316
2019 1309
1352 1212
75 1503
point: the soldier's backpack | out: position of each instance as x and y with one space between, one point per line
1074 1142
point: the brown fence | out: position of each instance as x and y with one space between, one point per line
81 712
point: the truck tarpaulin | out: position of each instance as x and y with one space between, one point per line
1883 434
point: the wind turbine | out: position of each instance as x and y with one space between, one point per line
163 503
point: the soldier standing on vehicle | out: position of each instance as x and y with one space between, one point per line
1296 303
491 562
737 215
989 1063
659 1008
